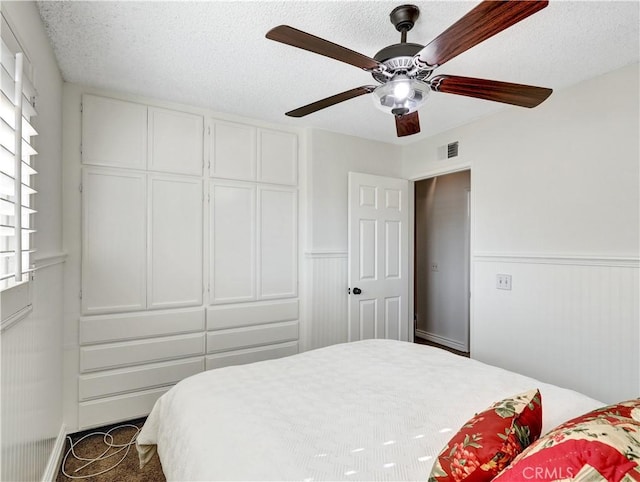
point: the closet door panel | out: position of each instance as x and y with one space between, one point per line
277 157
114 132
233 242
278 242
233 151
114 241
175 141
175 240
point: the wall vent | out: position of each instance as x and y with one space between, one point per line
448 151
452 150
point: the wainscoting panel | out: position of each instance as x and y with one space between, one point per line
567 321
328 316
31 382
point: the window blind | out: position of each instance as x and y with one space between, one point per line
17 108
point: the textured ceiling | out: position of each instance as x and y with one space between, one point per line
215 55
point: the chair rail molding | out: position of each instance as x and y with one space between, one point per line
575 259
50 259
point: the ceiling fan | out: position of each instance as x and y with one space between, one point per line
404 70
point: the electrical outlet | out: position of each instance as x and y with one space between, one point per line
434 266
503 281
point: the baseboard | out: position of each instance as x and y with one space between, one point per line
441 340
53 466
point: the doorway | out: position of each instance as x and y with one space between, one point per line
442 261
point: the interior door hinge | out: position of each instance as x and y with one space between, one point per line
80 187
81 107
80 294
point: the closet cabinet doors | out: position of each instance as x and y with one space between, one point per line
114 133
253 239
253 228
278 241
175 241
142 241
175 142
114 241
233 151
232 238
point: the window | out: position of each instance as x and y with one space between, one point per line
17 107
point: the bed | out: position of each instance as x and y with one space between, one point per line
368 410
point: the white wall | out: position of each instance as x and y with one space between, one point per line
543 178
331 157
32 348
556 203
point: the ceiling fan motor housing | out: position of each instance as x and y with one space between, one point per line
399 58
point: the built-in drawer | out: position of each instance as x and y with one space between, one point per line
250 355
129 326
247 314
121 354
248 336
122 380
96 413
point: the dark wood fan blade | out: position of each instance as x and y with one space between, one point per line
329 101
302 40
515 94
484 21
407 124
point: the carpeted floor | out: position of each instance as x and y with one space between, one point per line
127 471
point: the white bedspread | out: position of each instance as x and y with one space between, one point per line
370 410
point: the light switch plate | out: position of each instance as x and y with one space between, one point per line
503 281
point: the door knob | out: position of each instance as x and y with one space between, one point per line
357 291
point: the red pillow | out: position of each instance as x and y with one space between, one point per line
603 444
488 442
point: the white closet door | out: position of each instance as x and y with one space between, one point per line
278 242
175 141
277 157
233 242
114 132
233 151
175 241
114 241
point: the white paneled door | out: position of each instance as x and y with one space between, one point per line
174 241
378 257
114 238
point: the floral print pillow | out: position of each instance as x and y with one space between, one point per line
488 442
600 446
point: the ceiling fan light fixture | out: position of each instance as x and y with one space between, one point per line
401 89
401 94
